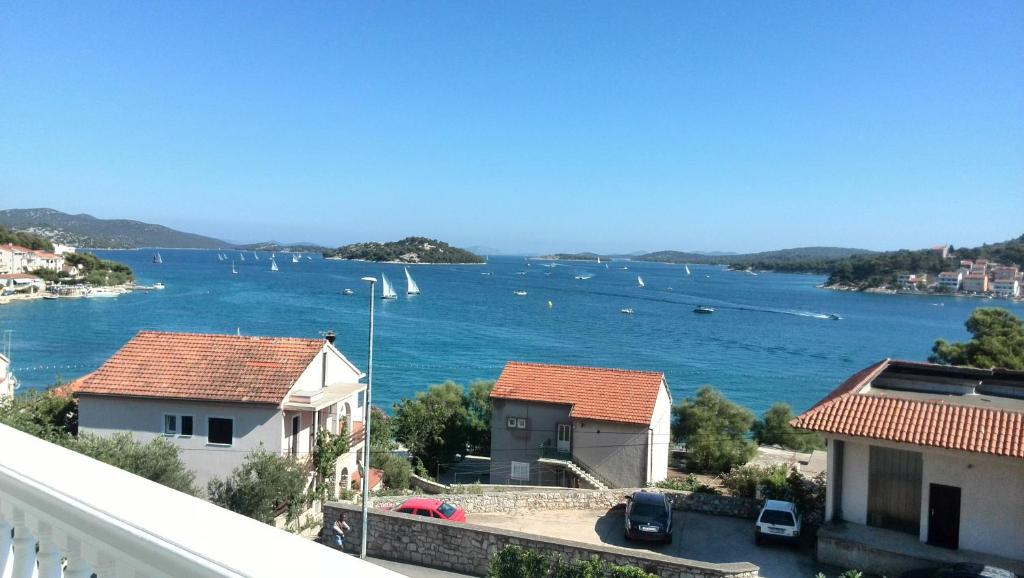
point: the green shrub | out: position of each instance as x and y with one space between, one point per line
714 430
745 480
397 471
264 484
688 484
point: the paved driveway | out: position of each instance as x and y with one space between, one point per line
697 537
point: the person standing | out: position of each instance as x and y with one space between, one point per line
340 527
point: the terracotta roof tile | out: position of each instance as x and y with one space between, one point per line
616 395
201 366
922 422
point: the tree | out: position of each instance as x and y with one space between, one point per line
998 341
263 485
714 430
157 460
44 414
433 424
478 417
773 429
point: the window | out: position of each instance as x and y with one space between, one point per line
359 398
511 422
521 423
520 471
423 513
172 423
220 430
446 509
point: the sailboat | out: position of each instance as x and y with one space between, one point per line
241 256
412 289
257 255
157 259
233 270
295 258
386 291
273 264
220 257
598 259
639 281
687 267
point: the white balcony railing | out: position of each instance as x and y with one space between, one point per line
73 516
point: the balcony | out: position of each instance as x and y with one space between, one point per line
73 517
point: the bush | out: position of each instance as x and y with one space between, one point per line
518 562
397 471
264 484
46 415
773 429
157 460
688 484
715 431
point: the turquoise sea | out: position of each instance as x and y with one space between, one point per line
769 340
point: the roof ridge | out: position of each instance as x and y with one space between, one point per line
584 367
228 335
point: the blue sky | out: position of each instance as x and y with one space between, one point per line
523 126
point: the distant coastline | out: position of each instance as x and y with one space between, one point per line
397 262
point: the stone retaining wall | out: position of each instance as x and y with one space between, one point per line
563 499
467 547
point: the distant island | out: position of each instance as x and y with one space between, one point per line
573 257
88 231
283 247
408 250
798 260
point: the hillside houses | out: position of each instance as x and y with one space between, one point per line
15 259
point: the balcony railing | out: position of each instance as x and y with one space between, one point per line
73 517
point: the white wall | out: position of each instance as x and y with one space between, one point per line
143 418
855 481
661 436
991 500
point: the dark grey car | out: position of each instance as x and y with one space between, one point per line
649 517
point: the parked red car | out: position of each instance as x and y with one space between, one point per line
433 509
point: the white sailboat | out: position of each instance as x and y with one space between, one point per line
687 267
241 256
257 255
273 264
295 258
157 258
639 281
386 291
233 270
412 287
598 259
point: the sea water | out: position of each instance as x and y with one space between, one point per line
770 338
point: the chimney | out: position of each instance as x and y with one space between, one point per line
330 336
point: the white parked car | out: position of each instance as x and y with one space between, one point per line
778 520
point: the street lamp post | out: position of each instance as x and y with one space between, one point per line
367 412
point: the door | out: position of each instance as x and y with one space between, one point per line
944 516
295 436
564 437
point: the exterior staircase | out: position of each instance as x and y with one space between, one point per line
585 475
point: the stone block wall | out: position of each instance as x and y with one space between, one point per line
563 499
467 547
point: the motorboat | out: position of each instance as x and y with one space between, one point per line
519 293
627 310
704 309
347 292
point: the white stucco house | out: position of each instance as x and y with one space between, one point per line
925 464
219 397
579 426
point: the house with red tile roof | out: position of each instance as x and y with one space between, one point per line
560 425
219 397
925 464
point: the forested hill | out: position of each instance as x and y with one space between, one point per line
801 259
408 250
881 269
27 240
88 231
